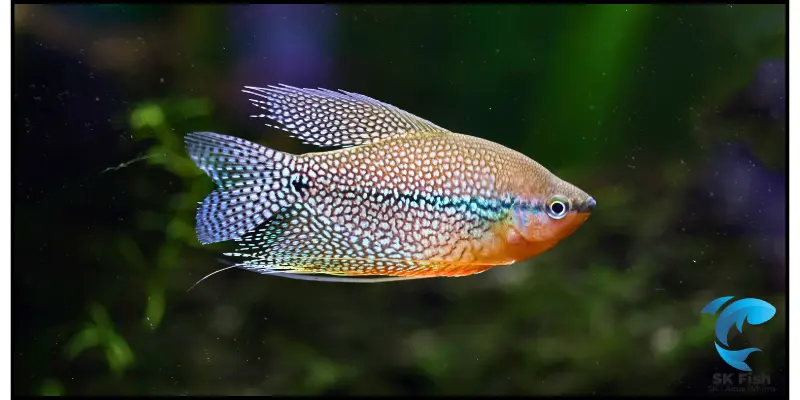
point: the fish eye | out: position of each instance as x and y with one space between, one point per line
557 207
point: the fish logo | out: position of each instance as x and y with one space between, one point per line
755 311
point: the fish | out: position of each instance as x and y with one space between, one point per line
398 197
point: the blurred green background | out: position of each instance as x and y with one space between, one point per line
672 117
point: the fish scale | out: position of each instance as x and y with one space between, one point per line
383 216
402 197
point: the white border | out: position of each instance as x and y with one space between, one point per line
794 183
5 207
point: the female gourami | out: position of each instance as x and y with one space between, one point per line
402 198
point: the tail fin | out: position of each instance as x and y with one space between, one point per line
254 184
735 358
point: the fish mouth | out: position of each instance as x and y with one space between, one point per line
587 206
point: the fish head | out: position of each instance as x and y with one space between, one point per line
549 213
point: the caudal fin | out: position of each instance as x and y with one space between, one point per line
254 184
735 358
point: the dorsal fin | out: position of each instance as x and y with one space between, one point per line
326 118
